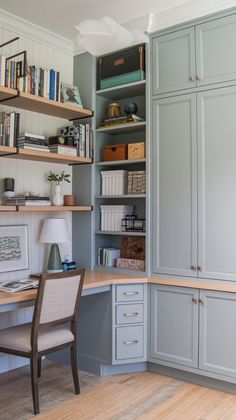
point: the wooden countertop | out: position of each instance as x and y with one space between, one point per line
94 279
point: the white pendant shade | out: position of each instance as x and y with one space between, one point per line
54 231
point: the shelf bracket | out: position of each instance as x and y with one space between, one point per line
10 97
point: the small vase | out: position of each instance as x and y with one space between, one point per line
57 198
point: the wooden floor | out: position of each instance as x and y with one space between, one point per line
122 397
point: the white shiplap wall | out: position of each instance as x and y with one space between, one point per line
30 176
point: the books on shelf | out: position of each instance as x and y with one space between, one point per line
63 150
79 136
122 120
18 285
9 128
22 200
108 256
33 142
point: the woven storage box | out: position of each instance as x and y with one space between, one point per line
133 248
115 152
136 182
130 264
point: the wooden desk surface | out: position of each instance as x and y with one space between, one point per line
95 279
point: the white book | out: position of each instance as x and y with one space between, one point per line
37 203
87 140
12 129
36 136
18 285
2 70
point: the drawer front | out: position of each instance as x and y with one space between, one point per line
129 292
129 314
129 342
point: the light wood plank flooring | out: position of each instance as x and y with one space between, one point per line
123 397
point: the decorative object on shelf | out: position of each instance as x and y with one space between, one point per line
70 94
9 187
101 36
131 108
68 265
113 110
122 67
136 150
132 224
133 248
57 198
115 152
70 200
13 248
54 231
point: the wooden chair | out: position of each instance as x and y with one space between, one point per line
54 326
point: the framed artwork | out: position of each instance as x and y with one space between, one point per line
14 248
70 95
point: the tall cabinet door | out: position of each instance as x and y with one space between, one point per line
215 50
174 186
217 183
173 66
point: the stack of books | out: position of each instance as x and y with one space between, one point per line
33 141
79 136
9 128
122 120
38 81
22 200
63 149
108 256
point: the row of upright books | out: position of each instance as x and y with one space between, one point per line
9 128
107 257
38 81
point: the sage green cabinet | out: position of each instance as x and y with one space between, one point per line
174 186
173 61
217 183
217 339
200 55
174 324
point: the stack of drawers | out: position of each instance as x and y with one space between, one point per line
129 323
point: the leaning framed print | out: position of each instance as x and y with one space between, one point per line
14 248
70 95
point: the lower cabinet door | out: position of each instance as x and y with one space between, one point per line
174 324
217 346
129 342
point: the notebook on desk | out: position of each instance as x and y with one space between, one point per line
18 285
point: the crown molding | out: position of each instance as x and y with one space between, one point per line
34 32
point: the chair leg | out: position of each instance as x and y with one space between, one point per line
34 382
74 368
39 366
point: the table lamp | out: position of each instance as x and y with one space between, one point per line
54 232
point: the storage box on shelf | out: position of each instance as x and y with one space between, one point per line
114 182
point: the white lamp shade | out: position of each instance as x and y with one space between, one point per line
54 231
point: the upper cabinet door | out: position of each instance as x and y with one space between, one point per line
215 51
173 66
217 183
174 186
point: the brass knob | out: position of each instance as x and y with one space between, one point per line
194 300
201 301
199 268
193 267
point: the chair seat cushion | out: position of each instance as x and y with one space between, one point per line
18 337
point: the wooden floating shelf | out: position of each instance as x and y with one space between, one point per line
36 103
41 156
32 209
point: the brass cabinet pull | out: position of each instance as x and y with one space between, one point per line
130 314
199 268
191 78
130 293
193 267
201 301
194 300
129 342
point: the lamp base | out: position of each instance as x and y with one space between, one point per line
54 260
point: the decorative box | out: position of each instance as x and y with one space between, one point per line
136 150
130 264
121 67
115 152
136 182
114 182
111 216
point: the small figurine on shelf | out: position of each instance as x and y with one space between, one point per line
57 197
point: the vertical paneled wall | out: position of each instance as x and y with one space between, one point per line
31 176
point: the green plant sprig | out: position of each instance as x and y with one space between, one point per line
52 177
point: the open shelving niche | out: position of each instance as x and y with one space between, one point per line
119 134
26 101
